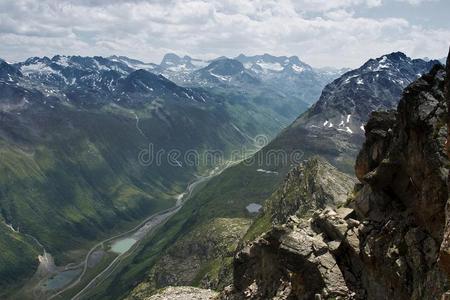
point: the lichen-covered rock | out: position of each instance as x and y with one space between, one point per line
183 293
314 184
288 262
297 260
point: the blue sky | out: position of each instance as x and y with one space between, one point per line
340 33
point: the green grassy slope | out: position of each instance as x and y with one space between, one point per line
18 255
224 196
70 176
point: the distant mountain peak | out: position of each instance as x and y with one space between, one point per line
56 57
225 66
396 56
173 63
174 59
296 60
35 59
226 71
171 55
220 58
380 80
8 72
267 64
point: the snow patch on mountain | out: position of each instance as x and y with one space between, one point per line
63 61
179 68
297 68
347 80
38 67
270 66
220 77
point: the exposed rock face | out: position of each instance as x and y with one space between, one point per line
294 260
393 240
377 129
408 161
445 247
402 201
313 185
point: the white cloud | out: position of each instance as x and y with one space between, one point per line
340 14
326 5
416 2
321 32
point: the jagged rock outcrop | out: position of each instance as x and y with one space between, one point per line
294 260
391 242
313 185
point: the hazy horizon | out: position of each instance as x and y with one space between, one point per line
321 33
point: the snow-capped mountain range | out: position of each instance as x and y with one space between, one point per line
268 64
76 78
89 81
97 80
377 85
334 126
224 72
286 75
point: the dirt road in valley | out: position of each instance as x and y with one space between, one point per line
138 232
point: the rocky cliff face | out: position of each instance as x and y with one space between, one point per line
445 247
391 241
313 185
293 259
402 199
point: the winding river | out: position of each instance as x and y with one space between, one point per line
123 244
